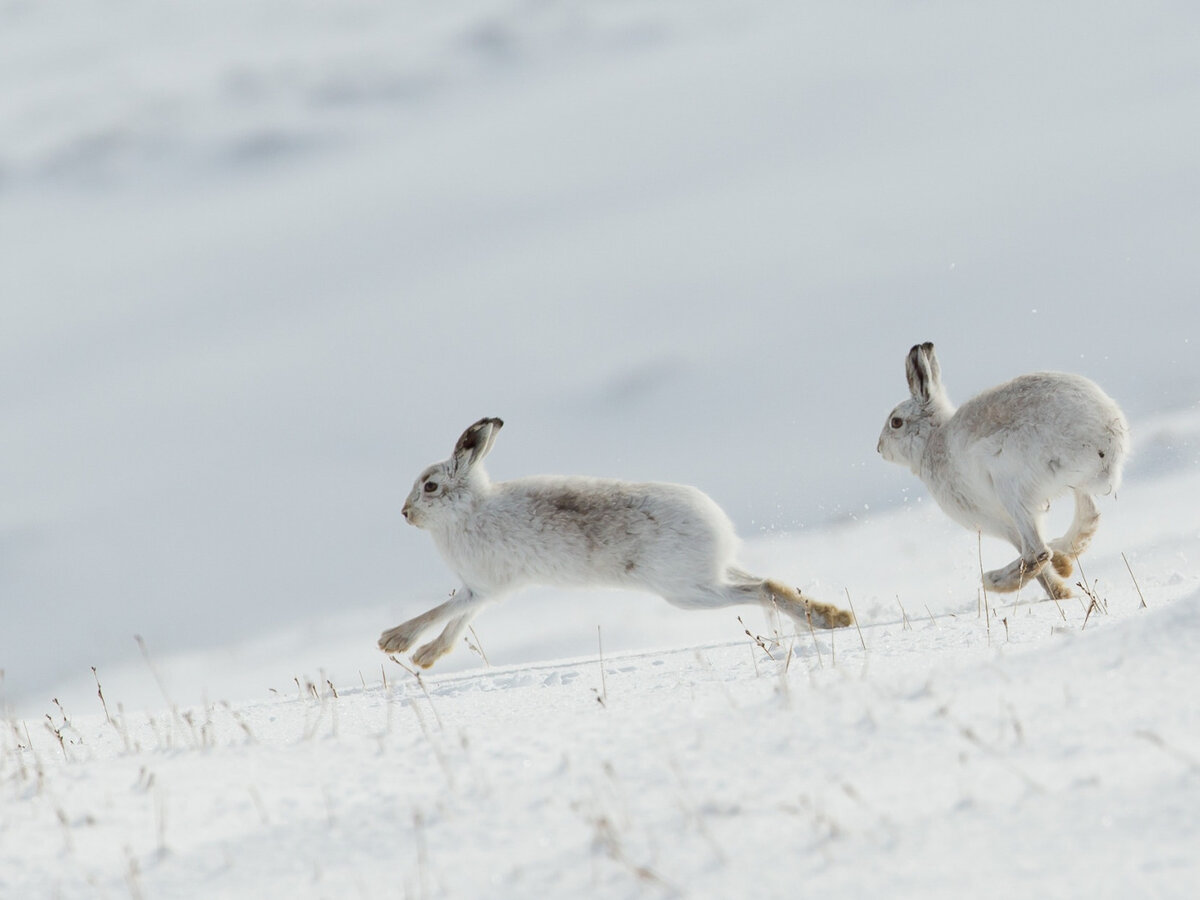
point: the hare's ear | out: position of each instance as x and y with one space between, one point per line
475 443
924 373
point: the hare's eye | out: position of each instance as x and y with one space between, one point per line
430 487
897 421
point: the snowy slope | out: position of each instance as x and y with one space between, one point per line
1039 750
260 264
1049 758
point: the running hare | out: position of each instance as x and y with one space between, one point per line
995 464
668 539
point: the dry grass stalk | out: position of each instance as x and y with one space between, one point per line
476 646
1095 602
1089 588
100 692
816 643
421 684
1141 596
861 640
758 640
979 548
603 696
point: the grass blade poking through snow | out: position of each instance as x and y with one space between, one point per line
1141 596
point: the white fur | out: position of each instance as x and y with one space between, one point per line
668 539
995 464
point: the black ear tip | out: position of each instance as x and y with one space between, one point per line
927 346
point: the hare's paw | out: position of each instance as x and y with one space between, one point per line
1055 589
1062 564
433 651
826 615
1016 574
398 639
1001 581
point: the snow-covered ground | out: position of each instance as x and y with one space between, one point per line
1038 751
260 263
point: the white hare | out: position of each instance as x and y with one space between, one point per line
995 464
668 539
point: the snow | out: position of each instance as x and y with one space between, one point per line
261 263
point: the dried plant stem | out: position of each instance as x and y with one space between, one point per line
1088 588
759 641
1141 596
478 646
420 683
100 691
603 680
816 643
1060 609
982 582
861 640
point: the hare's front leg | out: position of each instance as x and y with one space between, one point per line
404 635
467 607
442 644
1025 533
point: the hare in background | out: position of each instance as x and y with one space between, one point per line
668 539
995 464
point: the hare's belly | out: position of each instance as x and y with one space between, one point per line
971 511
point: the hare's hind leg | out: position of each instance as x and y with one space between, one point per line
1026 535
1083 528
1016 574
404 635
743 588
1055 587
804 609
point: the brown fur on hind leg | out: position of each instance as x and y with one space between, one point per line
826 615
1055 589
803 609
1062 564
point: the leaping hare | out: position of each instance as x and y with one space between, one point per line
669 539
995 464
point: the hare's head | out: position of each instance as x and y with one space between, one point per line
910 424
445 490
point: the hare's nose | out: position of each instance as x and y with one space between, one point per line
404 512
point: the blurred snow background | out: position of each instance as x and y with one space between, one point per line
262 262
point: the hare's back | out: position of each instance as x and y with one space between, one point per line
1057 401
1065 421
610 507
